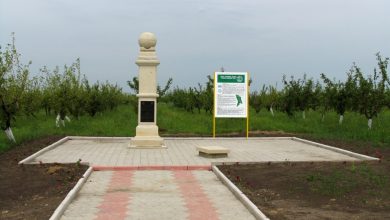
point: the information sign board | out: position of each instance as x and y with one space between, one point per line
231 95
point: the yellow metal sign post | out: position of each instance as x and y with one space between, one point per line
214 104
247 106
231 97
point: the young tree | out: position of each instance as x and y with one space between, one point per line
112 95
162 91
31 101
198 97
371 90
291 95
328 95
340 95
61 90
306 97
272 99
13 81
94 101
258 100
255 102
134 85
388 98
208 95
77 91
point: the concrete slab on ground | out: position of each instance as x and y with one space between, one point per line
182 151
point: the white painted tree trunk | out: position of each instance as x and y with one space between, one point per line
341 119
369 123
323 118
272 111
304 115
10 134
58 121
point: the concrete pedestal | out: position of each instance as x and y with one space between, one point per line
147 137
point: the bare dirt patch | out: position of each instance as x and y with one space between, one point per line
319 190
34 191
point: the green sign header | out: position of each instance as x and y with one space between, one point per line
229 78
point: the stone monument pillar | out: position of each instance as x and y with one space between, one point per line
147 130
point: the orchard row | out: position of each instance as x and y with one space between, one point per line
66 93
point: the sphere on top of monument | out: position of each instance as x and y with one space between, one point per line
147 40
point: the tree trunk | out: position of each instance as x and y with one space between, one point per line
58 121
303 114
10 134
369 123
341 119
272 112
323 117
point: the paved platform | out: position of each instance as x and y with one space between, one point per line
195 195
182 151
159 188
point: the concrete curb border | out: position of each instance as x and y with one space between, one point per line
179 138
92 138
335 149
71 195
50 147
227 138
151 168
252 208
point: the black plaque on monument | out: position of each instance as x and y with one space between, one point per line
147 111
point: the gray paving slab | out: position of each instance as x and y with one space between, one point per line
183 152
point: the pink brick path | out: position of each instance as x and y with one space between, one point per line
115 202
155 194
198 205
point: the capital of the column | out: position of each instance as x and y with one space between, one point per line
147 55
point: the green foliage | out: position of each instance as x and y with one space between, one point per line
134 84
162 91
257 100
291 95
70 93
268 98
32 97
123 120
338 95
62 88
13 83
371 92
193 98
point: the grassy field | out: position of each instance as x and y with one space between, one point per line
122 122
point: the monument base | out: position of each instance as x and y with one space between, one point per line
147 137
146 142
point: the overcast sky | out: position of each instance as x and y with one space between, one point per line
195 38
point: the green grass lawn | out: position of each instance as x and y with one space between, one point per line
122 122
